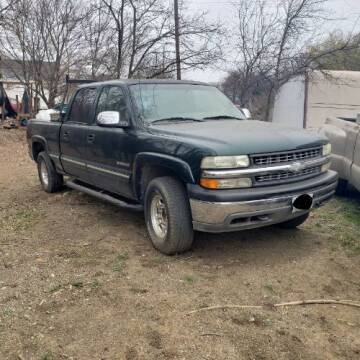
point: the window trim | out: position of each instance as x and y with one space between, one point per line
123 90
68 117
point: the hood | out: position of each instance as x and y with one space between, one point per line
235 137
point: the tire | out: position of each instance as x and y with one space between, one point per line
294 223
342 187
50 180
168 216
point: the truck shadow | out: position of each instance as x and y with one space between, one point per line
246 246
351 194
257 246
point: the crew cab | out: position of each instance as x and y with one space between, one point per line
183 153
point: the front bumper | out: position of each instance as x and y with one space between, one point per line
253 208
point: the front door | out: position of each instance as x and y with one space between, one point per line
109 160
76 134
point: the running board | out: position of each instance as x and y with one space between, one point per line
103 196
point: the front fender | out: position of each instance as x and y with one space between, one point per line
176 165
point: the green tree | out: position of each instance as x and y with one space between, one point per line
346 59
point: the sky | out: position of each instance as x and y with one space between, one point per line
346 13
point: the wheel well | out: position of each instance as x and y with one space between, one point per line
148 173
37 148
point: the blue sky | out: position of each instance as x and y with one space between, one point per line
346 13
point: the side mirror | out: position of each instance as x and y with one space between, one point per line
246 112
110 118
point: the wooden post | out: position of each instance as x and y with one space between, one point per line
17 104
36 99
31 99
306 99
3 112
177 40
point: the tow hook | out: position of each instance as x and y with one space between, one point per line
303 202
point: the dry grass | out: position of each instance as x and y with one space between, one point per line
80 280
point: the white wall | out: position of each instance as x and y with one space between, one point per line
289 103
334 95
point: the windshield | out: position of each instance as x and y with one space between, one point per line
182 101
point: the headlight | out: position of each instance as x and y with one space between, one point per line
326 167
226 183
326 149
225 162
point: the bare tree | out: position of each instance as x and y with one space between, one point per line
273 40
6 5
97 41
255 43
297 19
143 33
42 39
46 39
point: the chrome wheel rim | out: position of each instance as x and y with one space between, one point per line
159 216
44 174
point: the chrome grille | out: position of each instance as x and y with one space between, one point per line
284 157
287 175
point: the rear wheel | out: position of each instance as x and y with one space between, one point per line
50 180
168 216
294 223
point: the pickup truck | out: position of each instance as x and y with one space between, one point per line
344 135
183 153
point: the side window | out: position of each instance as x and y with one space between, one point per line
112 98
82 108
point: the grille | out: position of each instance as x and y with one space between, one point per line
284 157
287 175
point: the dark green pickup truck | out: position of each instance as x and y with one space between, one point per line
183 153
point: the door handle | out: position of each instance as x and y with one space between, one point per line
66 134
91 138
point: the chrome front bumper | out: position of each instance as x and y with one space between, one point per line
240 215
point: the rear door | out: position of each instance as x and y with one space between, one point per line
109 160
75 134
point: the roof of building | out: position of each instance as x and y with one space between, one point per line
9 68
12 69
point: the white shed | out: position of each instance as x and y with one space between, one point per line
307 101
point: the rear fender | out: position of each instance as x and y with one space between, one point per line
37 139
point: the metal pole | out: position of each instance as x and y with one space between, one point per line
177 40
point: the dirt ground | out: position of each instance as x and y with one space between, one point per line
80 280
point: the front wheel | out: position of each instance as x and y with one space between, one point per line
168 216
294 223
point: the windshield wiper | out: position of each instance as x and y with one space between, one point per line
176 118
222 117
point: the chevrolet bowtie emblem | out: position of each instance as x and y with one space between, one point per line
295 167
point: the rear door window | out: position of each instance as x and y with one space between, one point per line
82 108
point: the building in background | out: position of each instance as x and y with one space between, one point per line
307 101
14 86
